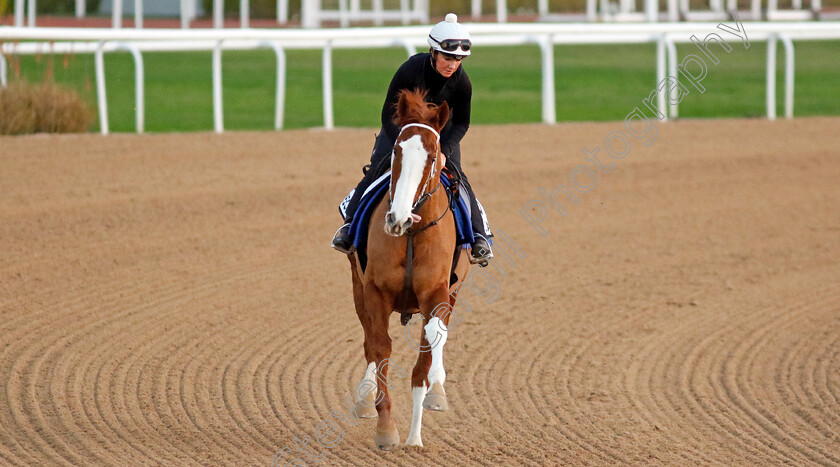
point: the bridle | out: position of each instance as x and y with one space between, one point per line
424 195
402 305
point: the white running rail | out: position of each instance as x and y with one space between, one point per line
649 10
313 12
188 12
542 35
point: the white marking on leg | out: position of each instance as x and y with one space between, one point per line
414 157
368 387
436 332
417 395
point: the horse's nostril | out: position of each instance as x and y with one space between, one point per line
389 218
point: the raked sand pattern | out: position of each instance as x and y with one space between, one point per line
172 300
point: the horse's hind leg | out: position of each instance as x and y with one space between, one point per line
379 344
365 393
423 376
429 367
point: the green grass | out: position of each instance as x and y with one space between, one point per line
596 83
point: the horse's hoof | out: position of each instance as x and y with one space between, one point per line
387 440
436 399
365 411
436 402
414 442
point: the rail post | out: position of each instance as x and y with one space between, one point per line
549 109
116 14
660 76
244 14
672 71
101 96
19 13
32 11
770 91
218 14
280 86
326 80
138 14
282 11
218 116
789 65
3 71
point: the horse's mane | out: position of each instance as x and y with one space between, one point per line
413 108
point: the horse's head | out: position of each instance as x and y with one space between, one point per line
416 161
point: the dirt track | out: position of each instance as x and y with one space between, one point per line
171 299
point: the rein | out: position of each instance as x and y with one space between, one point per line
405 316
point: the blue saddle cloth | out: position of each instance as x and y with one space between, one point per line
377 190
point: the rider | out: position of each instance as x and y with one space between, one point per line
439 72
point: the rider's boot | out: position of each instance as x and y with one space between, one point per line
342 240
481 252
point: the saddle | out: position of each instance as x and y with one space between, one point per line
459 203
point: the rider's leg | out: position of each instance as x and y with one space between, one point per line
481 251
379 163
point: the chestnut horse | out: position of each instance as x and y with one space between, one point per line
416 216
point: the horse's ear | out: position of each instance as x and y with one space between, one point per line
402 108
442 116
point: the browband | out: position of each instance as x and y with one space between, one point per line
422 125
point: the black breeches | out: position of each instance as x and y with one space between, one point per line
380 162
453 161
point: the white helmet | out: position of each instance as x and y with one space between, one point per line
450 37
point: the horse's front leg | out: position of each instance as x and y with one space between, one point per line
367 389
379 344
418 390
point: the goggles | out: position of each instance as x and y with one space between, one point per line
451 45
457 58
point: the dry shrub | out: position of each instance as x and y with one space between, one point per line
42 108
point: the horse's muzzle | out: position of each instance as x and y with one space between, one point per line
395 227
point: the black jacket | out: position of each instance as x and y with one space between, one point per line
418 72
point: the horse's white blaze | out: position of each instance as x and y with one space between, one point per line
368 386
414 157
433 329
417 395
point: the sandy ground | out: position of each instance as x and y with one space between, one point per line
172 299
